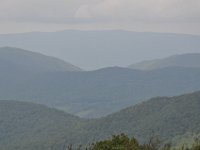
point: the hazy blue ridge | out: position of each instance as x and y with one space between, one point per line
191 60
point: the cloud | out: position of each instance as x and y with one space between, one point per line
142 10
100 10
38 10
164 15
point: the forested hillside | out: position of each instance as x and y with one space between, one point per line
27 126
164 116
99 74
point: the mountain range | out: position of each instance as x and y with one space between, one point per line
88 94
97 49
28 126
41 97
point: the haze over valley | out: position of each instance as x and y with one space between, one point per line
99 75
41 79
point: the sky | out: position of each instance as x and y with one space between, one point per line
175 16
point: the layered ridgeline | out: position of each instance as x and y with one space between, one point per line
97 49
87 94
18 66
27 126
101 92
184 60
15 59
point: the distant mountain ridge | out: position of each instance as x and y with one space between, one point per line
32 61
29 76
190 60
98 93
28 126
97 49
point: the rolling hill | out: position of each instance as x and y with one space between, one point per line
97 49
33 77
166 117
27 126
26 61
185 60
99 93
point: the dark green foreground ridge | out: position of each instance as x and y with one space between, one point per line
28 126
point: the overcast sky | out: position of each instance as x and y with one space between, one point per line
179 16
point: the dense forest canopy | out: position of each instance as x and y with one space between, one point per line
28 126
